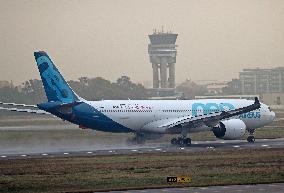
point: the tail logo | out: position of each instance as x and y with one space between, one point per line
55 86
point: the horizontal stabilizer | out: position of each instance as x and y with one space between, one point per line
25 110
19 105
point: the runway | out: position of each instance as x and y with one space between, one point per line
257 188
197 146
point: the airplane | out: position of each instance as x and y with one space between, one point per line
228 119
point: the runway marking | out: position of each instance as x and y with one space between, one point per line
134 150
272 185
184 189
23 155
182 148
44 154
89 152
158 149
65 153
236 146
223 142
110 151
264 145
195 143
3 156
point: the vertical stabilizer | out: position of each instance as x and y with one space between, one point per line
56 88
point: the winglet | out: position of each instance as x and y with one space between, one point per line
256 101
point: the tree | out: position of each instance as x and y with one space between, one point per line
98 88
191 89
33 91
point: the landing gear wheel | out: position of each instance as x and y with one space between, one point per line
174 141
187 141
251 139
180 141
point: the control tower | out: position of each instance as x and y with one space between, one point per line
162 52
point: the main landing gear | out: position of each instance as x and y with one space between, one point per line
251 138
181 141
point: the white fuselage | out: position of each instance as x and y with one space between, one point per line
134 114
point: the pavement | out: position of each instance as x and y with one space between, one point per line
257 188
156 148
197 146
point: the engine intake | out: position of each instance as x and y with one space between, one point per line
230 129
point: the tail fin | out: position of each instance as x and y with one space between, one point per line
56 88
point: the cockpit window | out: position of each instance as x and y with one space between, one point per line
269 109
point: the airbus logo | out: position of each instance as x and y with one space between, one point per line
250 115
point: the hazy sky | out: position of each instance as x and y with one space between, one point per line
108 38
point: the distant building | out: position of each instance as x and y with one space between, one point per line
5 83
233 87
216 88
261 81
268 84
273 98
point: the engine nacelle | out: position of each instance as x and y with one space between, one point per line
230 129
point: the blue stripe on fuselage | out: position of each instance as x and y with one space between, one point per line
85 115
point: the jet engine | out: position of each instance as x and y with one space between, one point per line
230 129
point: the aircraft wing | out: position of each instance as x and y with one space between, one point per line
15 108
209 120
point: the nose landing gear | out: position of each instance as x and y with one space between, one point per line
251 138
